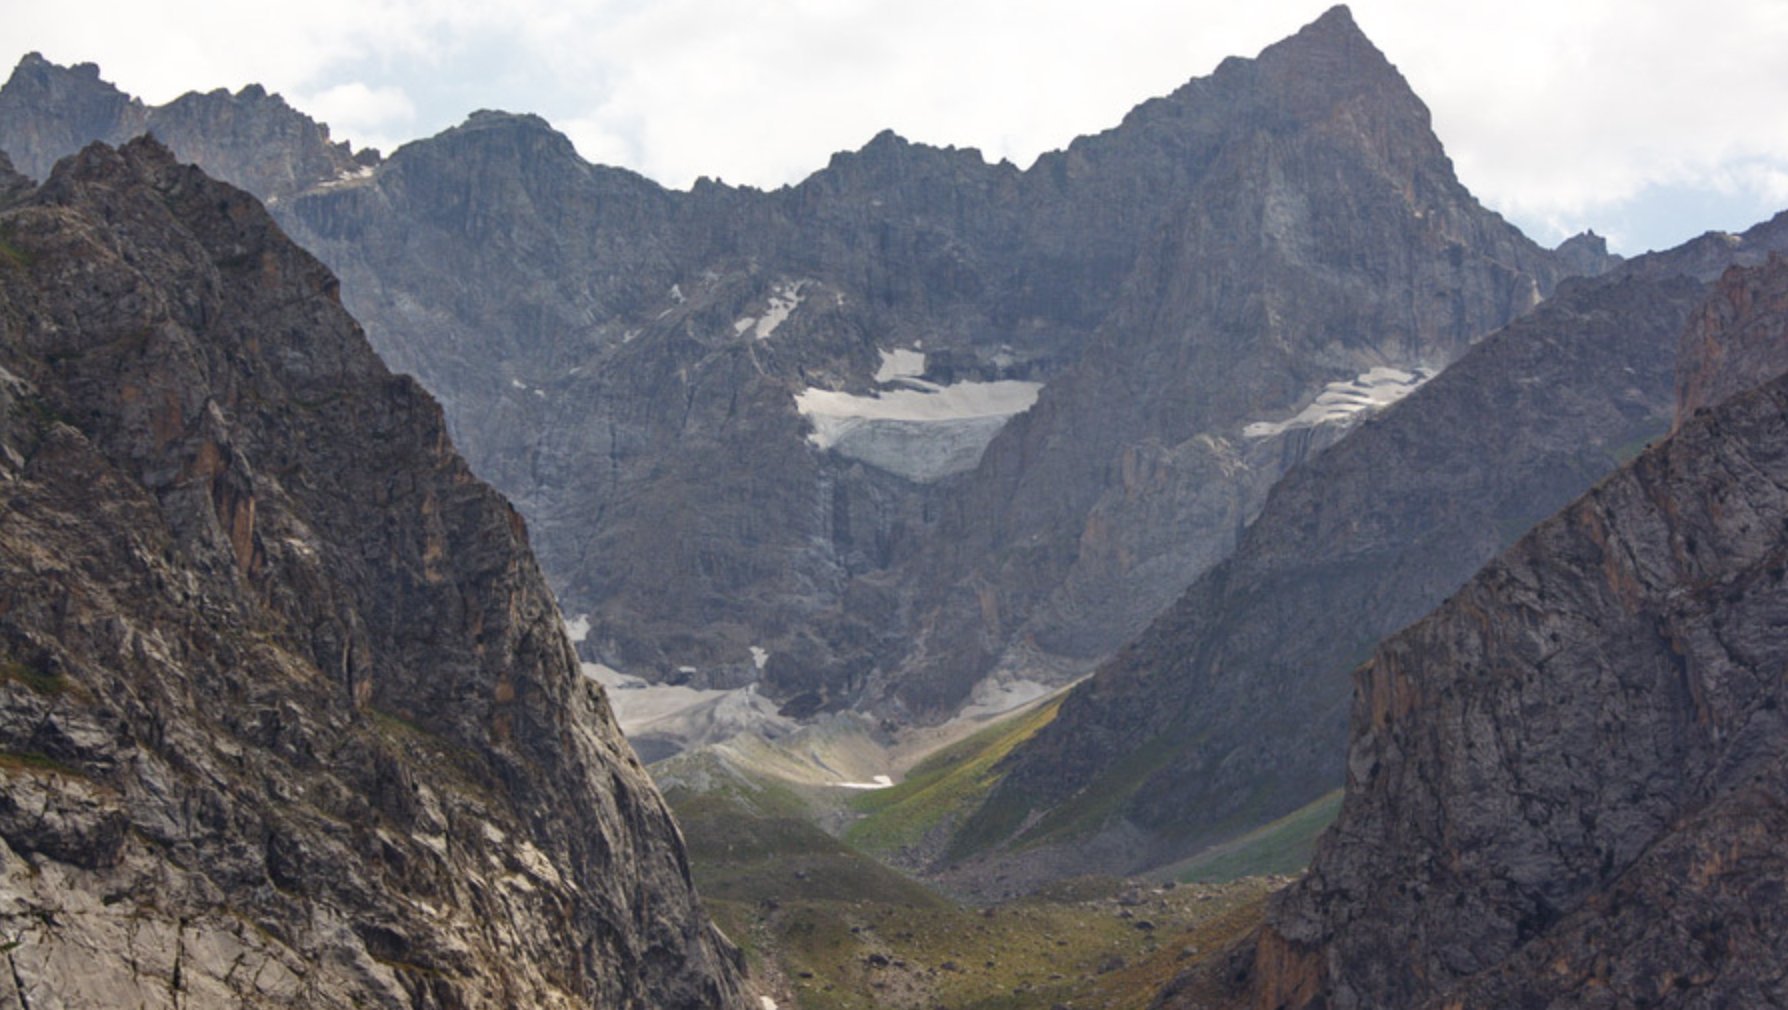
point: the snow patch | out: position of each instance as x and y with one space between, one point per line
518 384
831 411
348 177
900 363
1342 402
879 782
578 628
923 434
676 294
785 298
759 657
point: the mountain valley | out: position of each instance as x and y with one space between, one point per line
1014 578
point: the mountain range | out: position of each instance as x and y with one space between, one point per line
764 438
1244 410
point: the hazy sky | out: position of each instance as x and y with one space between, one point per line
1648 120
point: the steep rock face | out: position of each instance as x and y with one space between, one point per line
1735 338
253 139
1322 238
287 716
747 424
1231 708
1567 785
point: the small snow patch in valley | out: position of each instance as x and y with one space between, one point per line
759 657
1341 402
879 782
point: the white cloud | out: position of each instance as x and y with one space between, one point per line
370 116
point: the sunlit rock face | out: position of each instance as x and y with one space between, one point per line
287 713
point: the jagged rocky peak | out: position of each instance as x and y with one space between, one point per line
47 111
287 713
1586 254
253 138
1567 785
1233 703
1316 260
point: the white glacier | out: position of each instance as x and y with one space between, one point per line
923 434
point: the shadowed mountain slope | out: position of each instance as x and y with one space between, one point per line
1567 786
1231 709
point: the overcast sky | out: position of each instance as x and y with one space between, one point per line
1648 120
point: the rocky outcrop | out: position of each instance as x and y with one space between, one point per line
251 138
1231 709
287 713
1566 786
1738 336
694 397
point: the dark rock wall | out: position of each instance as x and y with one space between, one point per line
1566 786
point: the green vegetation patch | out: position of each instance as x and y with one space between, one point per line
12 256
1114 950
943 788
1281 847
739 854
1080 815
42 681
31 761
